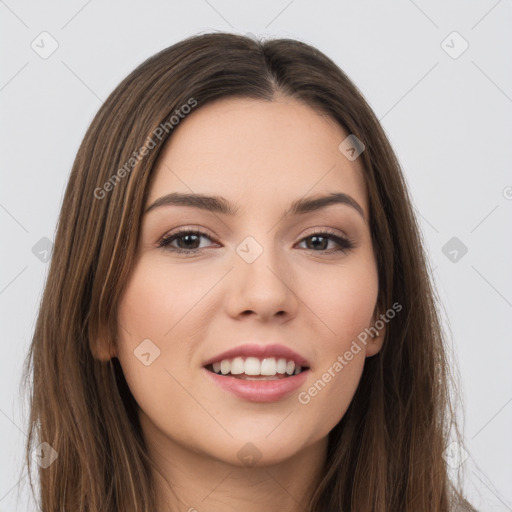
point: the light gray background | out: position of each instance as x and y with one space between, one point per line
449 120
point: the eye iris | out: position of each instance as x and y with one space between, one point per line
315 238
188 237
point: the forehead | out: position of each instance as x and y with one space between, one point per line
251 150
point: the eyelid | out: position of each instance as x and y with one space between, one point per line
202 232
332 231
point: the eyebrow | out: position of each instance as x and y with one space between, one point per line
218 204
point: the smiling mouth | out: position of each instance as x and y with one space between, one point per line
253 368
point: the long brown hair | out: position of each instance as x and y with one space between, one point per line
386 454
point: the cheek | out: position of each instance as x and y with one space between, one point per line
144 318
157 299
166 307
344 304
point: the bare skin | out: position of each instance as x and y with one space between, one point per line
261 156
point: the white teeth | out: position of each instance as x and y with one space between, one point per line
252 366
281 366
225 366
269 366
237 366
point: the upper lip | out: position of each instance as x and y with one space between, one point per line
260 351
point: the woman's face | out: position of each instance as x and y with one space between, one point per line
263 289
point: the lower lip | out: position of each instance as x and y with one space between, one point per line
259 391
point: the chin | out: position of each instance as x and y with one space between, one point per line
250 448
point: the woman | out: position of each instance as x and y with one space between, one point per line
238 313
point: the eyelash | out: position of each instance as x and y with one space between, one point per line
345 244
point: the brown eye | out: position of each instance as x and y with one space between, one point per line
320 241
187 241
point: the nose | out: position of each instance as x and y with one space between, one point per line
263 288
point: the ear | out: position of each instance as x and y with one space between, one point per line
378 333
101 348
